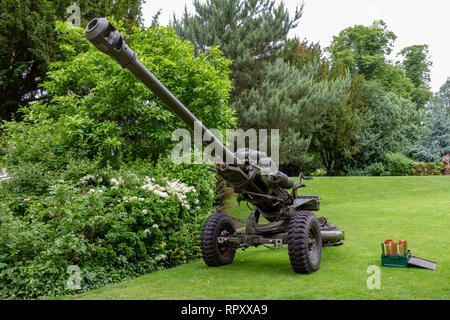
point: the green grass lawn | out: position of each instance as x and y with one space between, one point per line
368 209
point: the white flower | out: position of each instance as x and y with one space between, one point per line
95 191
172 188
160 257
146 231
155 226
144 211
114 182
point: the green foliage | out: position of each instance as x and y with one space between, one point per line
427 169
393 164
28 42
333 136
435 140
79 193
363 49
391 124
97 109
293 101
318 173
248 32
102 220
374 169
444 94
417 65
334 139
398 164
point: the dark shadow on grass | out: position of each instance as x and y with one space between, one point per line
251 262
256 261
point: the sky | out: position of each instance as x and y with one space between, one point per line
412 21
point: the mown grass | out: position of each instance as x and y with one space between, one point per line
368 209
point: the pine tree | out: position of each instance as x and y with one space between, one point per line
293 101
333 139
248 32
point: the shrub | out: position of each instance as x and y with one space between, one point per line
98 109
77 193
427 169
376 169
398 164
319 173
112 224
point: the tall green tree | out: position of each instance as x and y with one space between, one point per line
364 49
444 94
335 139
248 32
390 125
416 64
98 110
291 100
436 138
334 135
28 42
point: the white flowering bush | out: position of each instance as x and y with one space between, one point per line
112 224
172 188
77 193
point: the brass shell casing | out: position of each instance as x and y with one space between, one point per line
384 248
391 250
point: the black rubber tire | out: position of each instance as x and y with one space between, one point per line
304 242
213 253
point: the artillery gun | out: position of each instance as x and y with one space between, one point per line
252 176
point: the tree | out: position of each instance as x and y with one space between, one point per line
335 137
28 43
436 138
335 128
98 110
364 50
416 64
390 125
444 94
292 101
248 32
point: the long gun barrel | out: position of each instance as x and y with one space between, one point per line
268 192
103 35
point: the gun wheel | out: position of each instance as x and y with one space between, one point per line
214 253
304 242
